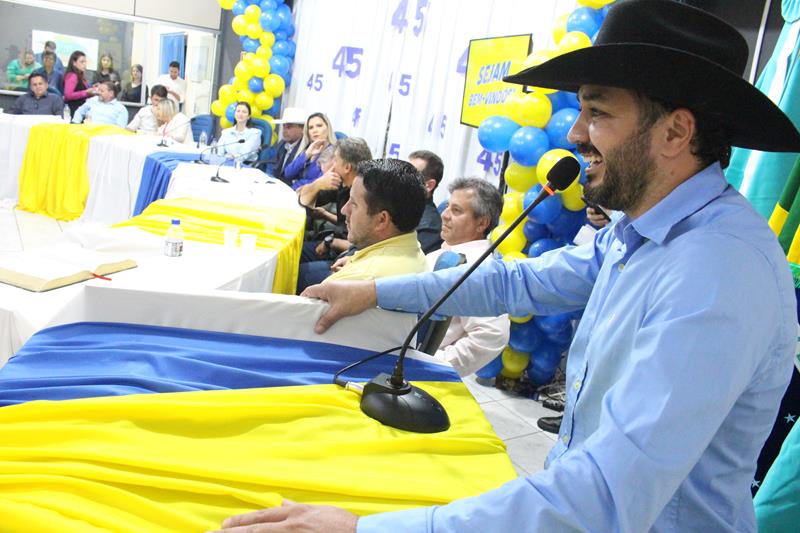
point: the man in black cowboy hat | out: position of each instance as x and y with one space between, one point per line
688 334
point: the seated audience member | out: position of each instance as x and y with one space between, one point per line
54 77
103 108
37 101
430 226
386 202
173 123
472 212
76 88
318 136
133 90
176 86
333 187
145 120
243 129
19 70
50 46
287 148
106 72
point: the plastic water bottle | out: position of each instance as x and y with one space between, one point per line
67 115
173 244
201 143
213 147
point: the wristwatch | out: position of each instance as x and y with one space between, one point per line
328 240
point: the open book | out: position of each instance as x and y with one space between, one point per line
44 269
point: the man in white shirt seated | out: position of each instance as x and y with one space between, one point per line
145 120
103 108
292 120
175 85
472 212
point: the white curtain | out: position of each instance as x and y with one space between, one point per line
388 69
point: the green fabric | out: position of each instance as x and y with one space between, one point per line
790 202
777 502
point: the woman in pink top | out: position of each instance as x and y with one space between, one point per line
76 88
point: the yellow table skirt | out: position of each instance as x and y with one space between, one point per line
185 461
205 220
54 178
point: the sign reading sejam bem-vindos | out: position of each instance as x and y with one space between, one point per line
488 62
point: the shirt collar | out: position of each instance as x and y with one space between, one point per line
480 244
404 240
686 199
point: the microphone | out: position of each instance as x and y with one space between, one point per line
164 133
207 148
391 400
217 178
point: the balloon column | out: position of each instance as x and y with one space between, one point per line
260 78
533 128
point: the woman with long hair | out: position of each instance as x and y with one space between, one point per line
76 88
243 129
318 137
133 90
19 70
173 123
106 71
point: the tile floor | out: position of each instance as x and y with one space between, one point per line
513 418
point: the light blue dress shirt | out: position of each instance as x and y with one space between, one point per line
674 377
248 151
102 112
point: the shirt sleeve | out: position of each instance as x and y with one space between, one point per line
294 168
77 118
70 82
484 339
623 475
16 108
137 119
121 118
57 106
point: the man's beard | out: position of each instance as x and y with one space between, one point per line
627 174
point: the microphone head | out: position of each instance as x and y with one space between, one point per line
563 173
240 141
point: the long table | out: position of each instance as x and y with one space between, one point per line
14 131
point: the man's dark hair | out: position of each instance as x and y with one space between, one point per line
711 141
111 86
434 167
48 44
353 150
174 64
396 187
48 53
36 75
487 201
159 90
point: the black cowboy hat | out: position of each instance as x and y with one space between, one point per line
677 54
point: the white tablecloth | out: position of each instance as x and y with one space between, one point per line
14 130
115 164
202 267
246 186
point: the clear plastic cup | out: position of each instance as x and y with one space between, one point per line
230 237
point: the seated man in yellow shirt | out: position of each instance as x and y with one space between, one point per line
386 202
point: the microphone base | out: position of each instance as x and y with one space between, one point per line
217 179
407 407
162 144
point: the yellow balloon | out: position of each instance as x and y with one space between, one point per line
226 4
274 85
514 362
549 159
537 58
239 25
513 256
574 40
594 4
264 52
227 94
572 196
533 109
254 30
520 319
268 118
248 58
264 101
267 39
242 70
515 242
512 206
251 14
520 178
259 67
225 123
246 95
239 83
218 108
274 138
255 111
560 27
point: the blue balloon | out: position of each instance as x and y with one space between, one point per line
495 133
547 211
584 164
230 112
541 246
287 78
269 21
253 2
279 65
250 45
533 231
290 30
491 369
604 10
563 338
558 127
238 7
442 206
281 48
557 100
285 15
527 145
268 5
281 35
292 48
567 224
524 337
275 110
256 85
585 19
279 1
550 324
538 377
544 361
570 99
